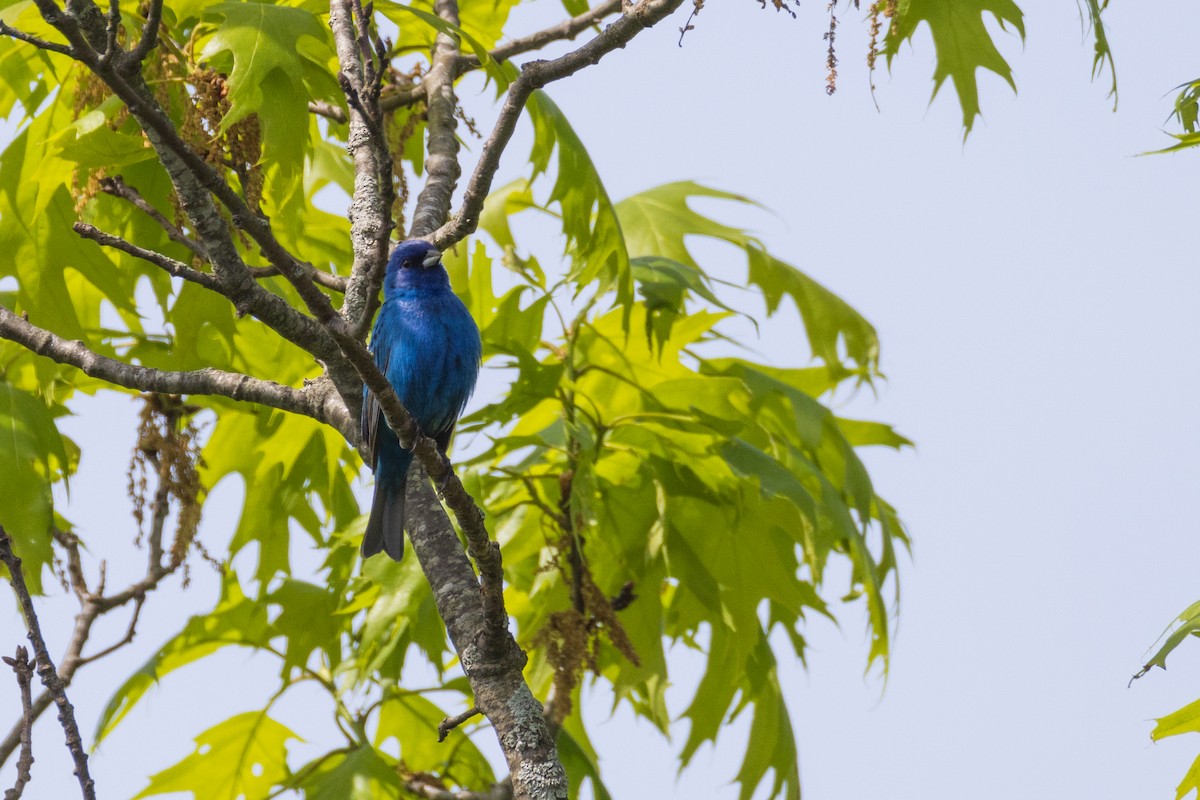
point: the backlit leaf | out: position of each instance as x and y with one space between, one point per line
961 41
29 444
242 758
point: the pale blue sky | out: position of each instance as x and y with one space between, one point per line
1034 291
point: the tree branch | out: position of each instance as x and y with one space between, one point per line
312 401
28 38
450 723
149 39
371 205
117 187
320 277
441 161
494 669
167 264
110 31
45 668
24 671
534 76
130 632
328 110
567 29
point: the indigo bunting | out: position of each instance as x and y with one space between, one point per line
427 346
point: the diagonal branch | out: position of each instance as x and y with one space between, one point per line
313 401
450 723
28 38
320 277
534 76
568 29
441 161
167 264
117 187
45 668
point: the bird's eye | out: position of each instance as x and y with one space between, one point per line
407 264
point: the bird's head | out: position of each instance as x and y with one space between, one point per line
414 263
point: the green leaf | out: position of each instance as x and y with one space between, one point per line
285 460
1092 12
61 278
239 759
500 205
831 324
30 446
861 433
480 25
1185 720
361 774
665 286
657 222
1190 782
589 219
1185 625
401 613
307 618
236 620
961 41
579 759
772 744
277 58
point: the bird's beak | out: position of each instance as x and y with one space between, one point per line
432 259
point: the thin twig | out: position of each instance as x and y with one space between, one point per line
130 632
22 666
149 39
568 29
167 264
117 187
28 38
110 31
328 110
335 283
45 668
70 542
450 723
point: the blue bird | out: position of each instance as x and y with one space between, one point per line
427 346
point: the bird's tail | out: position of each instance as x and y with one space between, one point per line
385 527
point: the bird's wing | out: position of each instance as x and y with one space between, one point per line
372 418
